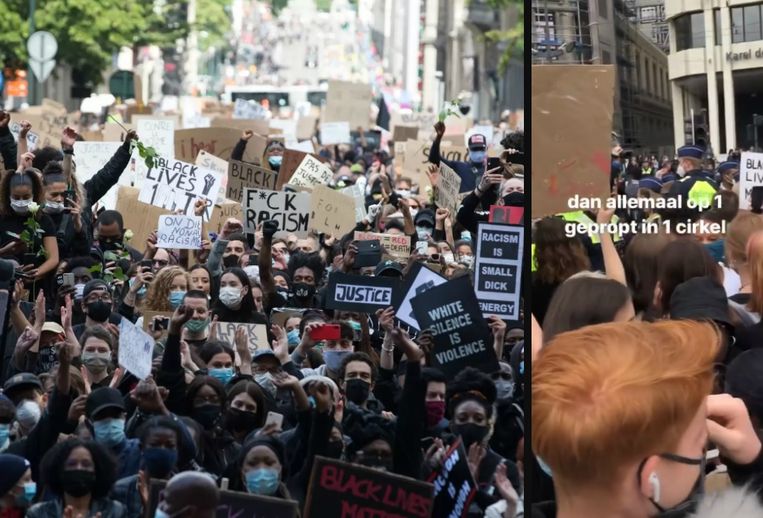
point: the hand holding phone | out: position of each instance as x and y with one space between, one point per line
325 332
275 420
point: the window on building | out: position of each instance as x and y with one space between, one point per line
660 35
544 24
648 79
717 25
737 25
690 31
752 30
648 14
655 85
603 9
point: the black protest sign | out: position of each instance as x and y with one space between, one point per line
461 336
350 490
454 486
360 293
498 269
242 175
290 209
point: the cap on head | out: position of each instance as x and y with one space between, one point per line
691 152
101 399
95 285
388 266
12 468
477 142
700 298
21 381
727 166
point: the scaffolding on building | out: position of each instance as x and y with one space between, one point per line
561 32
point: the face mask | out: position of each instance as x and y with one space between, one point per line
468 260
110 432
335 449
403 193
99 311
689 504
414 212
283 292
222 375
231 297
354 325
435 412
265 380
109 244
357 390
53 207
514 199
20 206
176 298
470 433
448 258
293 337
375 462
159 462
716 250
302 290
5 432
262 481
206 415
77 482
504 389
334 359
231 261
680 171
26 498
28 414
275 161
141 291
286 258
423 233
477 157
96 362
240 420
197 326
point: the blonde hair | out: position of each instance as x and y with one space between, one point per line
607 396
738 233
754 251
157 297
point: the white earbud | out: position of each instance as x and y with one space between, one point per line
654 481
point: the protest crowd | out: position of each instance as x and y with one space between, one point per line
646 374
274 334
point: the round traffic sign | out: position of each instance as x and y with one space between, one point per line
42 46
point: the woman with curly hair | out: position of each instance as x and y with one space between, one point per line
166 291
21 195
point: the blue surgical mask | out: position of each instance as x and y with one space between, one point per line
223 375
26 498
293 337
334 359
477 157
716 250
141 291
159 462
110 432
354 325
262 481
5 432
275 160
176 298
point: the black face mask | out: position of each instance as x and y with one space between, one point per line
357 390
109 244
77 482
514 199
99 311
470 433
689 505
239 420
302 290
231 261
206 415
375 462
284 292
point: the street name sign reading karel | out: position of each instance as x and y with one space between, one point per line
498 269
750 175
360 293
176 185
339 489
290 209
242 175
461 336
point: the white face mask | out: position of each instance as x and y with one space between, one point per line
468 260
231 297
53 207
20 206
448 258
28 414
423 233
680 172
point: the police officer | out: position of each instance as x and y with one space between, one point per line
697 188
728 174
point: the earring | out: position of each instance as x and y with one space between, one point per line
654 481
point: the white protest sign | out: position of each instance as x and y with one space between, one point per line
136 349
447 189
243 109
398 246
257 334
288 127
176 185
31 137
89 158
311 172
750 175
306 146
219 166
290 209
358 193
335 133
156 133
181 232
419 282
331 211
498 269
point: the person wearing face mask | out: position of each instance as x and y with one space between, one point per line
167 289
694 192
358 375
80 474
509 414
424 222
97 346
434 401
196 330
73 234
235 302
110 231
219 359
26 393
469 171
106 414
17 489
261 469
334 351
189 495
97 303
21 195
245 411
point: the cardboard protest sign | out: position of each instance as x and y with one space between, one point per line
237 504
335 133
750 175
342 489
139 217
243 109
290 209
257 334
136 349
159 134
347 101
217 141
331 212
403 133
89 158
31 137
287 126
311 172
289 164
398 246
462 338
176 185
454 486
148 317
358 193
224 211
571 149
423 120
498 269
419 280
360 293
216 164
181 232
113 132
259 127
447 189
305 146
242 175
505 214
306 127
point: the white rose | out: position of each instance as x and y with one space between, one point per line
33 208
128 235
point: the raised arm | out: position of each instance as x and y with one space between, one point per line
613 265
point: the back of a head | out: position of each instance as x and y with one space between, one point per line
681 260
584 301
601 385
557 255
197 490
738 233
640 262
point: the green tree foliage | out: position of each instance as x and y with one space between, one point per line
277 5
14 31
513 37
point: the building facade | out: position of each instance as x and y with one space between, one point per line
716 65
649 17
603 32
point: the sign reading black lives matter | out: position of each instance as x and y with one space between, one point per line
498 269
176 185
462 338
290 209
360 293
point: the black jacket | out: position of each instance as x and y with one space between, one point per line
8 149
